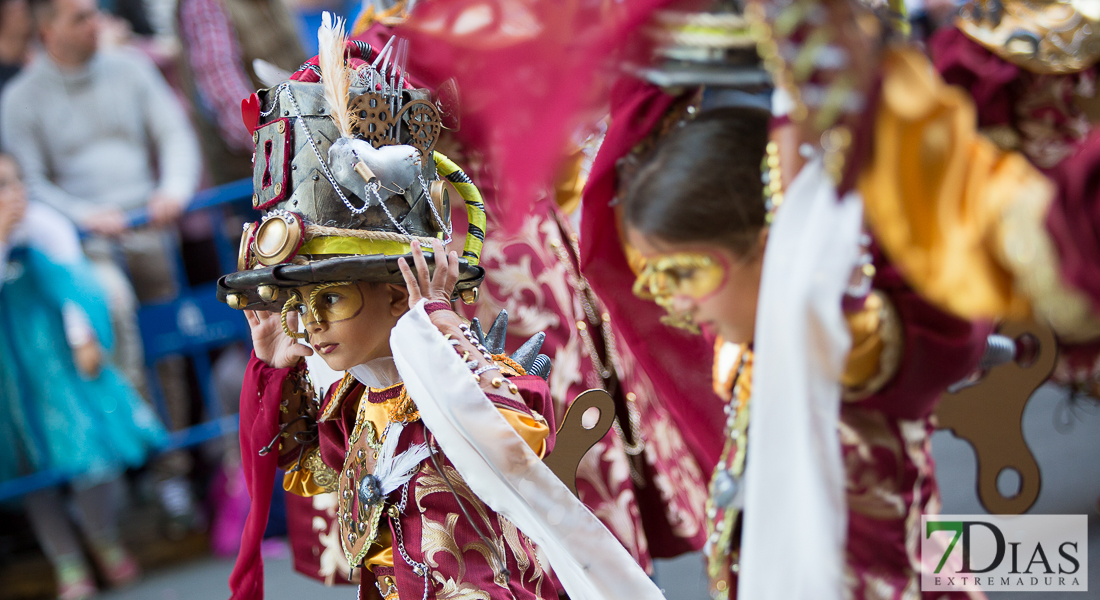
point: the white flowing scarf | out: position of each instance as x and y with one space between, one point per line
505 474
795 516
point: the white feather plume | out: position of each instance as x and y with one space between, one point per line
392 472
335 75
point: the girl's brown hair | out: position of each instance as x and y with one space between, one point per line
703 182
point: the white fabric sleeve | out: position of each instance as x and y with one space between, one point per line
501 469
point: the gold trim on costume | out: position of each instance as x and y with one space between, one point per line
883 342
1024 245
359 522
1042 36
337 397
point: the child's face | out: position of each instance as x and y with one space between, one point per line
348 325
708 283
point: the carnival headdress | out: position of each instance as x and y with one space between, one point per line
347 176
713 50
1043 36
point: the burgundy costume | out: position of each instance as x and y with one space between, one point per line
434 528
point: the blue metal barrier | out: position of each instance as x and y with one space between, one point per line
190 325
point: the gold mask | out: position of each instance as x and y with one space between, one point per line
681 274
327 303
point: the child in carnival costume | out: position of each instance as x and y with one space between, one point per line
879 227
431 440
784 238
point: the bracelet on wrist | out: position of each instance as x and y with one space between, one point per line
431 307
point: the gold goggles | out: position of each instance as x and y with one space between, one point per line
682 274
327 303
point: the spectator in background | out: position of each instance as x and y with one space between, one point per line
62 407
219 71
15 38
87 128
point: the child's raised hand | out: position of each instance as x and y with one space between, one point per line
271 344
437 288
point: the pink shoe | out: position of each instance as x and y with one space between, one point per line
74 579
115 563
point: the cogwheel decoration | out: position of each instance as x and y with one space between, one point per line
422 119
371 118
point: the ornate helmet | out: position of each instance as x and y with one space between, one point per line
1043 36
713 50
347 177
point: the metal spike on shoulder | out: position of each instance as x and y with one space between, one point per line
494 340
527 353
475 326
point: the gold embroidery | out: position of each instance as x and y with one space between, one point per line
437 537
323 475
458 591
870 492
511 536
337 397
403 409
1027 249
332 560
484 550
440 537
430 482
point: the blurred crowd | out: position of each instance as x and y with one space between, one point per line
112 116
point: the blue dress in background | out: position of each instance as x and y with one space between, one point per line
50 417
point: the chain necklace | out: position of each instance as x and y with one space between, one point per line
724 498
580 286
588 304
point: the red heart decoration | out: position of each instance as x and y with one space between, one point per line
250 112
